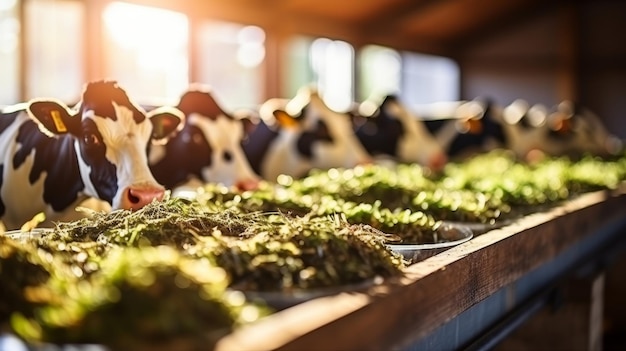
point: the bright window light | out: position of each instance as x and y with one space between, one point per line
333 63
148 58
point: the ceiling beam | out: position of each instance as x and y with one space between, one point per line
385 21
523 12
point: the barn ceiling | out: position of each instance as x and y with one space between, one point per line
435 26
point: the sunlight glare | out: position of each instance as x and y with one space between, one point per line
142 30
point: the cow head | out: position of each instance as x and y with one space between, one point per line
578 130
390 129
310 135
525 126
208 148
111 138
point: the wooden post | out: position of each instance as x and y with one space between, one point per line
274 61
94 51
569 53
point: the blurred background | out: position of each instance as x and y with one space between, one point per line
543 51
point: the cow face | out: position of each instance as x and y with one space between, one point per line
207 149
470 127
305 134
390 129
111 138
575 130
525 126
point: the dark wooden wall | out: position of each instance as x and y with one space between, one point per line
575 51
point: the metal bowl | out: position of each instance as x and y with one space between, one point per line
448 235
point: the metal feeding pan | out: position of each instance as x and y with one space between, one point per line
448 235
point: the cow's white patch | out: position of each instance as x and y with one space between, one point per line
345 150
283 158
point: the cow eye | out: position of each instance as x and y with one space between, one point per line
91 139
228 156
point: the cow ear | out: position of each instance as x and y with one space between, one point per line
249 118
561 123
53 117
285 120
166 121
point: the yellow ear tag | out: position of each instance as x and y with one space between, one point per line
58 122
285 120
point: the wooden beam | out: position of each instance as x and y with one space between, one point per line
568 85
502 23
385 21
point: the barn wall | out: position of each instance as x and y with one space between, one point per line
533 61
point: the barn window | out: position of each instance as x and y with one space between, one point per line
9 48
328 64
297 70
54 60
380 71
418 79
333 64
427 79
149 59
230 60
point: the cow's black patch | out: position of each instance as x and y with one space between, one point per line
256 145
99 97
490 129
2 207
202 103
93 152
185 156
56 158
308 138
380 133
6 119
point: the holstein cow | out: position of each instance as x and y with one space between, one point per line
295 136
471 127
207 149
573 130
526 128
389 129
53 156
566 131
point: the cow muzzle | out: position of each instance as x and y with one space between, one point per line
136 197
437 162
247 184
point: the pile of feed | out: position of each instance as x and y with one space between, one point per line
489 189
175 272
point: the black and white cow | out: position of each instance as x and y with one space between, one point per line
298 135
207 149
54 156
389 129
574 130
474 126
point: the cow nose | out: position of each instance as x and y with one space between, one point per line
365 161
136 197
247 184
437 162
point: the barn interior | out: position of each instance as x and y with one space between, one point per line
426 51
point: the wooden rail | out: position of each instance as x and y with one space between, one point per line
401 312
